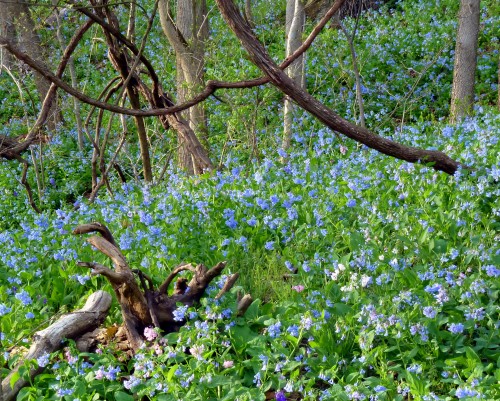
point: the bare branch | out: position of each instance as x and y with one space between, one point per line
231 280
95 227
210 88
164 287
243 304
98 269
50 96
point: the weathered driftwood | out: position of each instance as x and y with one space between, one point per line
147 307
69 326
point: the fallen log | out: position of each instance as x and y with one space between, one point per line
70 326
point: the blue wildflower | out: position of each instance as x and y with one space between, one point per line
179 313
4 309
24 297
274 330
456 328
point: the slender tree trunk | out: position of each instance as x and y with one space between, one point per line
294 28
355 69
18 12
133 97
74 81
188 37
7 30
498 84
462 95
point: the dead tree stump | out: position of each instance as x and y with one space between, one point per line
142 305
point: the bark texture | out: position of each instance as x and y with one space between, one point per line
51 339
278 78
20 27
187 36
294 28
464 72
143 305
155 96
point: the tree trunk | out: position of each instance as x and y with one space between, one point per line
498 83
294 28
188 37
462 94
7 30
18 13
74 79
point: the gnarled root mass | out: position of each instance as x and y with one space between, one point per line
141 304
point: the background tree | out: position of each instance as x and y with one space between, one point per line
187 34
18 25
294 28
462 94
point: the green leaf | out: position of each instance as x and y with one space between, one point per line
15 377
356 240
253 310
122 396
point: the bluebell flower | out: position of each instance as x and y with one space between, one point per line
305 267
274 330
351 203
414 368
257 379
43 360
145 218
491 271
61 392
456 328
293 330
475 314
24 297
262 203
131 382
292 214
269 245
4 309
274 199
306 322
429 312
179 313
111 373
464 392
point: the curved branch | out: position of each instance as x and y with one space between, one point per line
95 227
231 280
211 86
98 269
261 59
164 287
51 93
